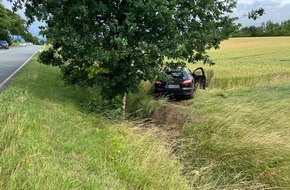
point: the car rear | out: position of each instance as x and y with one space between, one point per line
182 84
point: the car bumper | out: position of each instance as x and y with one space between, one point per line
175 91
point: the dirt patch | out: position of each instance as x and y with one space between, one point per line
170 116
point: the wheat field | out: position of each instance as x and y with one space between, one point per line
249 61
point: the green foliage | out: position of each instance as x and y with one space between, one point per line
254 14
117 44
11 24
265 29
28 37
109 109
139 105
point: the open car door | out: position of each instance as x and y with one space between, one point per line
199 77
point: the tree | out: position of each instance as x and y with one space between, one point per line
255 14
285 28
11 24
118 43
28 37
272 29
251 31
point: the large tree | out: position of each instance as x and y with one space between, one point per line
118 43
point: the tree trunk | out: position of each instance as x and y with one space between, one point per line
124 105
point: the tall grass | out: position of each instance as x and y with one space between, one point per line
142 104
49 141
239 140
238 134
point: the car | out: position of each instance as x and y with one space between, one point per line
22 45
182 82
4 44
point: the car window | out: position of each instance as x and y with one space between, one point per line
178 73
188 73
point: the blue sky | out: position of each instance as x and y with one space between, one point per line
275 10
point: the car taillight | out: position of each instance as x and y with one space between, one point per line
186 83
159 83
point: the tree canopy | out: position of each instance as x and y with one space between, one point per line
11 24
116 44
268 28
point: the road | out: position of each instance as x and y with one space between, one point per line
13 59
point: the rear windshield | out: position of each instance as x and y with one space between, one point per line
176 73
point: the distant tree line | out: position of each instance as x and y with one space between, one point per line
11 24
265 29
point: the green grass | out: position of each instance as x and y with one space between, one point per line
241 138
48 140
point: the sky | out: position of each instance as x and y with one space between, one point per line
275 10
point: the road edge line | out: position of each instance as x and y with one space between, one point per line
5 83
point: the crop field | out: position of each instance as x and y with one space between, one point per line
249 61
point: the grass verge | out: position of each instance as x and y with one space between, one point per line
49 141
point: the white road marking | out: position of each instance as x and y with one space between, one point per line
5 82
9 50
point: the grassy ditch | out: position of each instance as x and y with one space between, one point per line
49 141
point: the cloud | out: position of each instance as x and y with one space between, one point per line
280 2
275 11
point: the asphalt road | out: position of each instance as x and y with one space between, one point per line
13 59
